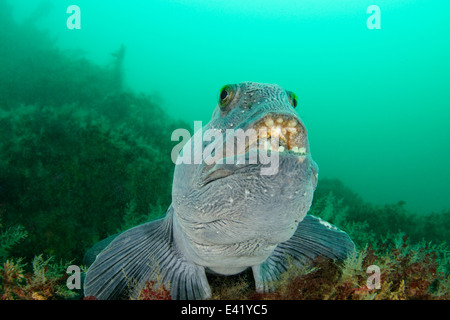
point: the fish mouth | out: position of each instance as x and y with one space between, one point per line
273 133
279 133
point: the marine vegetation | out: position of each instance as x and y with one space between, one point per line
45 281
83 157
80 155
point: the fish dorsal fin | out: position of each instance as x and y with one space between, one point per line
313 237
141 254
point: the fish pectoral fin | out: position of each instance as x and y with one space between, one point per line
92 253
140 255
313 237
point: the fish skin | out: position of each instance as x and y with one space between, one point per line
225 218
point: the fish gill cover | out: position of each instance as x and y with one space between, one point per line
83 157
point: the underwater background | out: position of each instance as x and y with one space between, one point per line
86 117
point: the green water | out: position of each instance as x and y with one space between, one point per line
376 102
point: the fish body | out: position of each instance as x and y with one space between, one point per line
240 207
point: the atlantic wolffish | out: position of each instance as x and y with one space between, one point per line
226 216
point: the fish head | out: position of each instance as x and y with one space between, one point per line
226 197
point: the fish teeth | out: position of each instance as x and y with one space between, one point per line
287 130
292 130
292 123
269 122
267 145
263 134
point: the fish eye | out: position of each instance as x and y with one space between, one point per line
226 93
293 100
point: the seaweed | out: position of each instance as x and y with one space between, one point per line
408 272
154 291
47 281
81 156
9 238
